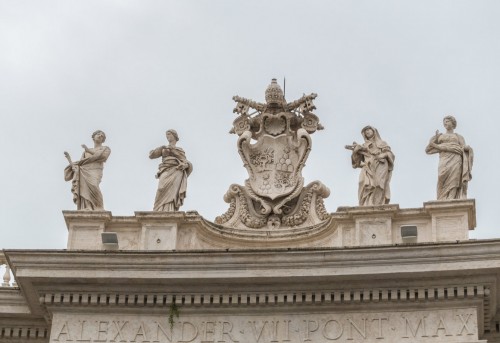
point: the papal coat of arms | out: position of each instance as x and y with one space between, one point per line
274 143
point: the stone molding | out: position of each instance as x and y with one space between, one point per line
337 297
24 333
349 300
435 275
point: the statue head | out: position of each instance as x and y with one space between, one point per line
101 133
274 94
365 132
452 120
173 133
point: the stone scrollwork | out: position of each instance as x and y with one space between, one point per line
274 143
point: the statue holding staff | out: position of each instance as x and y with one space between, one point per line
86 174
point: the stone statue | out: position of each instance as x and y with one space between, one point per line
172 174
455 161
86 174
274 143
376 161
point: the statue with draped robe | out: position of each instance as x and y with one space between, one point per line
376 161
86 174
172 174
455 161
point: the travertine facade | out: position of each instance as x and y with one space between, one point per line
277 267
444 292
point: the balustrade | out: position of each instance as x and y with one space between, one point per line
7 277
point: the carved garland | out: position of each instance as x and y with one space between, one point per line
223 218
320 208
246 218
300 216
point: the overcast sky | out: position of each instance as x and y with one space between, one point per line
137 68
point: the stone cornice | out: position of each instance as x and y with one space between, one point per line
13 302
472 256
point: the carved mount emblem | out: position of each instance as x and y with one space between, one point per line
274 143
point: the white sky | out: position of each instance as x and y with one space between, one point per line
137 68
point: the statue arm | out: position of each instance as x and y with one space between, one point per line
155 153
461 141
433 146
100 156
358 154
387 154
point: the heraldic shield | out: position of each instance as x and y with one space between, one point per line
275 164
274 143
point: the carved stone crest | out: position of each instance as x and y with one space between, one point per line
274 143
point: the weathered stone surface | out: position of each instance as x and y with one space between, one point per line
86 174
455 161
439 326
418 293
376 161
350 226
274 195
172 174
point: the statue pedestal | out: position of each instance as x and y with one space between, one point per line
436 221
451 220
85 229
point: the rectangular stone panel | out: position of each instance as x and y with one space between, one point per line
452 325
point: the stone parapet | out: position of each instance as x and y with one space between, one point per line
436 221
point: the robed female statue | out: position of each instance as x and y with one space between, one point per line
455 161
376 161
172 174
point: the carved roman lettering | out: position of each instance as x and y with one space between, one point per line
64 331
333 330
141 331
102 329
310 329
274 331
164 331
208 329
464 324
82 329
119 327
287 331
352 325
257 334
441 326
184 335
421 323
227 328
380 331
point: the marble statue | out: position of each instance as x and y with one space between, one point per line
172 174
376 161
86 174
274 143
455 161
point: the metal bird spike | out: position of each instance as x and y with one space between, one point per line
284 87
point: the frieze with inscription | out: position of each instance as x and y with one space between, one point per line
457 325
